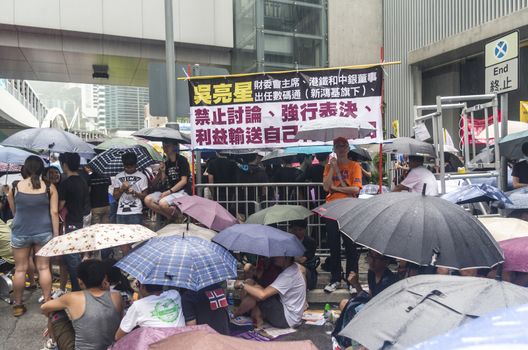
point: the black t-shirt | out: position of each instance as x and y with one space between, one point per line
175 170
196 306
388 278
74 190
310 245
223 170
99 190
520 170
285 174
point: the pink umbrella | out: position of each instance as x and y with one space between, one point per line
205 211
515 254
200 340
140 338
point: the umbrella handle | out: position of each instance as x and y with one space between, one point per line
498 275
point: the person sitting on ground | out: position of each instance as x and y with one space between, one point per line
172 181
119 283
417 177
308 262
263 271
156 308
282 303
379 277
95 312
206 306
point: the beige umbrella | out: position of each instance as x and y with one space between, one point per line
202 340
96 237
187 230
505 228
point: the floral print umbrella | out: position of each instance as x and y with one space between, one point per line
96 237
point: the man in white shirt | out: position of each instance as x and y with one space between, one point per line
417 177
155 309
130 188
282 303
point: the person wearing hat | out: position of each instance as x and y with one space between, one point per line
341 179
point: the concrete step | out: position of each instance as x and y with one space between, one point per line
318 296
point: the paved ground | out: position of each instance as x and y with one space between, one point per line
25 333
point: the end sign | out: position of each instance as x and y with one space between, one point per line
502 64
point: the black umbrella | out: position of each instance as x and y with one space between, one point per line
511 145
109 162
421 229
362 154
453 159
163 134
408 146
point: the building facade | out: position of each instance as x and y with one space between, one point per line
440 44
279 35
124 107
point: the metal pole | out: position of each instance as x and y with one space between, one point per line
496 128
466 140
486 126
170 63
441 143
504 132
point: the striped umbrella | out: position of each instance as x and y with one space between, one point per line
109 162
190 262
126 142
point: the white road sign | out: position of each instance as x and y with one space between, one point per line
502 49
502 77
502 64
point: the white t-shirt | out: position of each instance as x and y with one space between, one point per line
162 310
419 176
129 204
292 290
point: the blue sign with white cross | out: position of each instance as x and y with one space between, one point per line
501 49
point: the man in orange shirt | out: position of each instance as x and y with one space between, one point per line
342 179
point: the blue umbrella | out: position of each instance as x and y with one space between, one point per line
518 199
12 155
504 329
190 262
477 193
260 240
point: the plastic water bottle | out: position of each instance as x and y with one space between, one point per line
328 325
230 301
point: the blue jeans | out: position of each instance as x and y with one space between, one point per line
72 261
132 219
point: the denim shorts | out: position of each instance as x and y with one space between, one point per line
29 241
131 219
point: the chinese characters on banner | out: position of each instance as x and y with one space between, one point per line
266 110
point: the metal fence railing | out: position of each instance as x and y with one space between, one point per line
244 199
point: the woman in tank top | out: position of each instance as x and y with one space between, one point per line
36 222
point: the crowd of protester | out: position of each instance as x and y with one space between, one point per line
103 305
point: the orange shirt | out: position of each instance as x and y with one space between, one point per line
351 175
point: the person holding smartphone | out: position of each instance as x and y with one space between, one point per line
341 179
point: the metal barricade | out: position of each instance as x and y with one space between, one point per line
244 199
